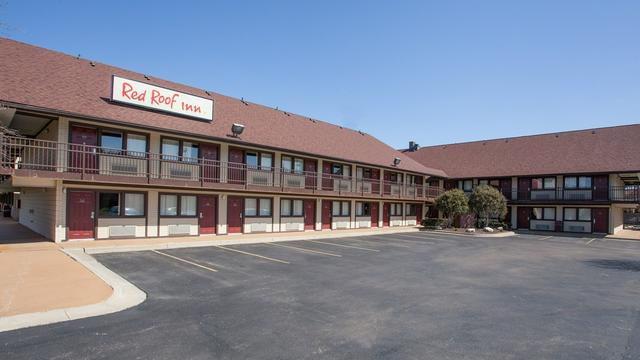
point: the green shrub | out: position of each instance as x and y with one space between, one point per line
432 223
497 223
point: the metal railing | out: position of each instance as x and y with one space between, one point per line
32 157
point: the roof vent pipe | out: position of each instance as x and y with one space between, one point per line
413 146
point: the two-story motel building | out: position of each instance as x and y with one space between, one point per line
91 151
97 152
577 181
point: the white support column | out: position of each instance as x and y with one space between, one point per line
352 212
319 175
276 214
224 158
152 213
380 212
222 214
318 214
60 230
277 162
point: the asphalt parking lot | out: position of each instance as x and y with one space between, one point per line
398 296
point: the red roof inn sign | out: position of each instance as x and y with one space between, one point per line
162 99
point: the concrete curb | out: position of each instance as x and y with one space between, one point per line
239 241
124 296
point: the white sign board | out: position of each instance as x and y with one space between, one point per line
159 98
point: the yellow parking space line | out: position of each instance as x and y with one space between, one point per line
185 261
252 254
305 249
344 246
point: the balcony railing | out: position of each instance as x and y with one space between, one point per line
30 157
629 193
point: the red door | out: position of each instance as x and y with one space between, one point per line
81 212
374 214
524 189
237 172
207 206
82 150
386 217
418 214
375 181
310 168
326 214
600 220
309 214
601 187
234 214
210 164
523 217
327 181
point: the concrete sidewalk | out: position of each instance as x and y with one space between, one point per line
39 277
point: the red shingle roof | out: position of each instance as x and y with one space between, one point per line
46 79
610 149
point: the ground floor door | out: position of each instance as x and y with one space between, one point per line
81 207
523 217
326 214
309 214
600 220
386 215
374 214
234 214
207 212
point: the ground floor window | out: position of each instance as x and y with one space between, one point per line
341 208
395 209
548 213
412 209
363 209
114 203
577 214
257 207
178 205
289 207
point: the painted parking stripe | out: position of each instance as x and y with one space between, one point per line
415 242
590 241
378 242
344 246
305 249
185 261
252 254
546 238
427 238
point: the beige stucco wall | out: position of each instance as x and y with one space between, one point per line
258 224
396 220
363 222
340 222
38 210
105 226
292 223
166 223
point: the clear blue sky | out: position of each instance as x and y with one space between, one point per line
433 71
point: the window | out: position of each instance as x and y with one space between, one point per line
363 209
290 164
133 204
495 183
395 209
412 179
170 204
577 214
543 213
364 173
263 161
577 182
187 205
483 182
338 169
395 177
341 208
189 151
170 149
257 207
136 144
111 142
110 204
584 214
290 207
548 183
411 209
465 185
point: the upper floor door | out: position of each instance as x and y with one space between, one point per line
210 165
524 188
236 173
600 187
82 150
310 169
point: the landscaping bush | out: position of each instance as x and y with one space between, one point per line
497 223
452 203
434 223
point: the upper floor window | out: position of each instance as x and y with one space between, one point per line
114 142
339 169
577 182
465 185
257 160
173 149
483 182
364 173
292 164
412 179
546 183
